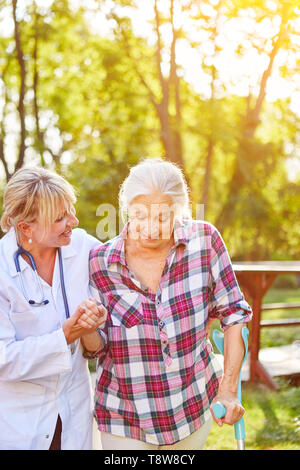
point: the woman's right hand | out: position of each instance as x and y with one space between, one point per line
88 316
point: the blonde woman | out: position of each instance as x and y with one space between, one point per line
45 308
162 280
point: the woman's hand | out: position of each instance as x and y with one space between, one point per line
93 315
88 316
234 409
234 351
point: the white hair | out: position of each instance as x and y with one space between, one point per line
155 174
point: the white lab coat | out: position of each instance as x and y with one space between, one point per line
39 378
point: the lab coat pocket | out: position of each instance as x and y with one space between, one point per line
15 444
25 323
21 406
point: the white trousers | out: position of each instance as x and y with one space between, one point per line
195 441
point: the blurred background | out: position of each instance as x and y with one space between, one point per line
88 87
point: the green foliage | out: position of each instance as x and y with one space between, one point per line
90 113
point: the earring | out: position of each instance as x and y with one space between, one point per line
29 240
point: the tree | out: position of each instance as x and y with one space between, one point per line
91 106
82 111
22 66
250 151
163 90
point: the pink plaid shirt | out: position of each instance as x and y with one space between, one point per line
157 373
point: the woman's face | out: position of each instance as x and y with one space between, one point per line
60 232
151 219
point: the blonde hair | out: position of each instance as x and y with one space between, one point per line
155 174
35 194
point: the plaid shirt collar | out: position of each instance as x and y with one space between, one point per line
116 253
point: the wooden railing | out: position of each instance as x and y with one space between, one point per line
255 279
284 322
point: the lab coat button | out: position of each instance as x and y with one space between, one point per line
47 436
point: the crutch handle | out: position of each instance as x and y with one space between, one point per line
219 409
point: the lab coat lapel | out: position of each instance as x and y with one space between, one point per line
66 252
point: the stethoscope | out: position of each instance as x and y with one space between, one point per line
42 301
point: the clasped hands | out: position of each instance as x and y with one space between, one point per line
88 316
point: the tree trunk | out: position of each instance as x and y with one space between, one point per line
2 124
39 134
174 96
207 174
21 107
211 137
170 125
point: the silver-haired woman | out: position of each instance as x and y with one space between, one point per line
162 280
45 307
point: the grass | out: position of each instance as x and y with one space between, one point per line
272 420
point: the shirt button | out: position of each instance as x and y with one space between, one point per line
161 324
157 302
164 342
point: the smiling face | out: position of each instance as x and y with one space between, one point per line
151 219
39 205
60 231
58 234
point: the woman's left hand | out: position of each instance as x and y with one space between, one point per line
234 409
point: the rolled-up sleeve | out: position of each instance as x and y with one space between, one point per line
227 302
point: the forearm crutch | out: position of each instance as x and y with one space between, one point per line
219 409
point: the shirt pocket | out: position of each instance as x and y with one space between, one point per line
126 340
125 310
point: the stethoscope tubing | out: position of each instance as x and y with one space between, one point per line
43 301
62 283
